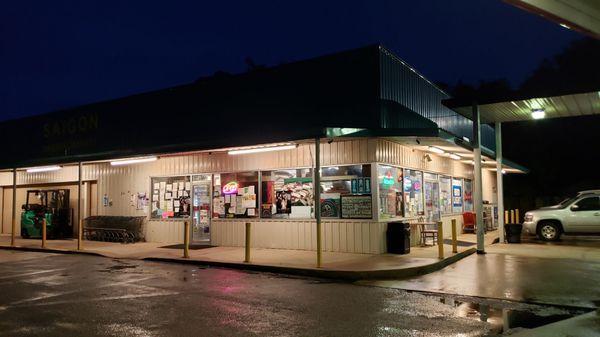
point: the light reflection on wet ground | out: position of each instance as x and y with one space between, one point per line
92 296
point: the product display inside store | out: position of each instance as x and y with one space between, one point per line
346 192
413 193
389 180
287 193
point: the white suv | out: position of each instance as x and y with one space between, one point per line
577 215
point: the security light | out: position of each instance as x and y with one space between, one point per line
436 150
538 113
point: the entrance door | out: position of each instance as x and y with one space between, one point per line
432 200
201 209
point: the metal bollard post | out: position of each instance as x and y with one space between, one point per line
80 236
517 216
440 240
247 251
44 232
512 216
454 241
506 218
186 239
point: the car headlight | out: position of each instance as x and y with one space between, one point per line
528 216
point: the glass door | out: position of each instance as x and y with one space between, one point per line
432 200
201 186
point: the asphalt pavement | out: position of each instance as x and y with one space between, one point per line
75 295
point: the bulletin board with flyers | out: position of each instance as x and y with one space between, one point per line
170 197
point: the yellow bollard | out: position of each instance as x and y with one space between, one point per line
80 235
512 216
506 218
454 241
440 240
247 251
44 232
517 216
186 239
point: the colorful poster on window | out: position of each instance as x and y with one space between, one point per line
457 197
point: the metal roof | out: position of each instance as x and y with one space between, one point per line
520 109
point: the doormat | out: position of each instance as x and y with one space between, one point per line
192 246
459 243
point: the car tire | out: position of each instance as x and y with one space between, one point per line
549 231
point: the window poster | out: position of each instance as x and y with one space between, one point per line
170 198
457 197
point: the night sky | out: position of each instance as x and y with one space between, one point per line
58 54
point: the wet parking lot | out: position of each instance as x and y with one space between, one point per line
75 295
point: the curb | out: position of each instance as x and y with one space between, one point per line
346 275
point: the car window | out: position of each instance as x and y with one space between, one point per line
589 204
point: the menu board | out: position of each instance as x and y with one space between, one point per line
356 207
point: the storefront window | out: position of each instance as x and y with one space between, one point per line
432 197
234 195
170 197
446 194
457 197
468 195
413 193
287 194
389 181
346 192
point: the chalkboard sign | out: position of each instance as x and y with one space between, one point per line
357 207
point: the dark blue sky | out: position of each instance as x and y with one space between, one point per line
57 54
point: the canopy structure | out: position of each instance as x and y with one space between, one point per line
579 15
512 109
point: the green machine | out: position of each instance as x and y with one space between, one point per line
52 205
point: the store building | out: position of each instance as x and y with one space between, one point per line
229 149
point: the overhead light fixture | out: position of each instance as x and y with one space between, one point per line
466 139
454 156
436 150
132 161
538 113
43 169
503 171
263 149
564 25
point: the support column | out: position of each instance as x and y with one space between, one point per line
14 209
317 194
79 217
478 189
499 181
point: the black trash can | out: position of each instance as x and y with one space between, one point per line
398 237
513 233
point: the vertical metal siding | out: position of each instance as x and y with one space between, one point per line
402 84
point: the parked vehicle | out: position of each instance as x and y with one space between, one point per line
579 214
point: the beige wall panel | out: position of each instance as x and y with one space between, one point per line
396 154
489 183
298 235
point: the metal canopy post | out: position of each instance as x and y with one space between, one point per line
478 191
317 194
499 181
79 218
14 209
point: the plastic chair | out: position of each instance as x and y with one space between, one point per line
468 222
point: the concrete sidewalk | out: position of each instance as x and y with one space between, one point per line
347 266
